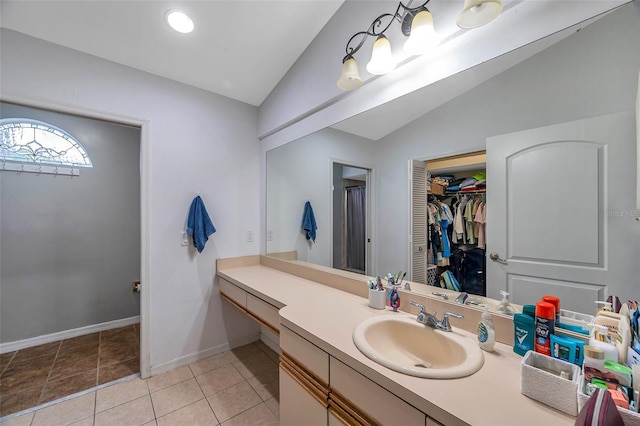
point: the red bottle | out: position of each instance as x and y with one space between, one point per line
555 302
545 324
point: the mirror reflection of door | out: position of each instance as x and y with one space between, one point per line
350 218
560 218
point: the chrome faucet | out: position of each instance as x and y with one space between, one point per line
462 297
431 320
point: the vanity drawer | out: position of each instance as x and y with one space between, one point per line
314 359
356 392
234 293
264 312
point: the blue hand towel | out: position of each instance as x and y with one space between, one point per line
309 222
199 225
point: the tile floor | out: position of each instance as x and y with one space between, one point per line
235 388
44 373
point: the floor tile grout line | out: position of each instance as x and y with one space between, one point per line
153 407
210 407
9 362
231 363
44 385
66 398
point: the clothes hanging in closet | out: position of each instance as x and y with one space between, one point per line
439 220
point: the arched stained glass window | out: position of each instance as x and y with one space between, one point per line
35 142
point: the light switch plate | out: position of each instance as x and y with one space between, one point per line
184 238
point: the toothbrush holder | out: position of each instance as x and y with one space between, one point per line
377 299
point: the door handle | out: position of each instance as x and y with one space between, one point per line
496 258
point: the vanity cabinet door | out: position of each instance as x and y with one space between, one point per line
314 359
368 401
304 381
298 405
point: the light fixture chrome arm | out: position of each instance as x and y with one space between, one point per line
417 24
403 14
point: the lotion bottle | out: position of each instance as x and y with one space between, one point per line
486 331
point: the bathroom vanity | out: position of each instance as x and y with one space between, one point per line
325 379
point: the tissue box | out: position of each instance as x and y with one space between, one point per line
629 417
538 382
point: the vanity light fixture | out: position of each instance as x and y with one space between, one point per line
179 21
416 23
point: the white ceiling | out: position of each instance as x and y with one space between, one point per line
239 49
242 48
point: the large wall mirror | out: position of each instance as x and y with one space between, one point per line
591 73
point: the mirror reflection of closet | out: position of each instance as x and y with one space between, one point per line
428 265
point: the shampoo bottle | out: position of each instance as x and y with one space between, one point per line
486 331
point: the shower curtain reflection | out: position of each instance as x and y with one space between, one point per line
356 205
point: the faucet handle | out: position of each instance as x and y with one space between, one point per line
444 323
419 305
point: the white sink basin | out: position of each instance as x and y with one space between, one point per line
406 346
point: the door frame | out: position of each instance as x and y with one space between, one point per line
369 228
145 142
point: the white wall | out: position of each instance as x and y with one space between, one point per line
197 141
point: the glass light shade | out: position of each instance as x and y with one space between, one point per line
179 21
382 61
423 36
477 13
350 77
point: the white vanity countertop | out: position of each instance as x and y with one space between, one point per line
327 317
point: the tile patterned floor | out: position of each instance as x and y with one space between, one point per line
235 388
44 373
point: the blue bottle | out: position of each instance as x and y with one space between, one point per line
524 333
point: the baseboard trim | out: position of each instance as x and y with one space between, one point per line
66 334
188 359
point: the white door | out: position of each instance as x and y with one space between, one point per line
556 221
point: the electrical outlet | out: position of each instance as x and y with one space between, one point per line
184 238
249 236
269 234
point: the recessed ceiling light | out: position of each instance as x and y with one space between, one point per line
179 21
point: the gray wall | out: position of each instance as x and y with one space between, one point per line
71 246
590 73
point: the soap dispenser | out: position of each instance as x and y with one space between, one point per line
600 339
486 331
505 307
